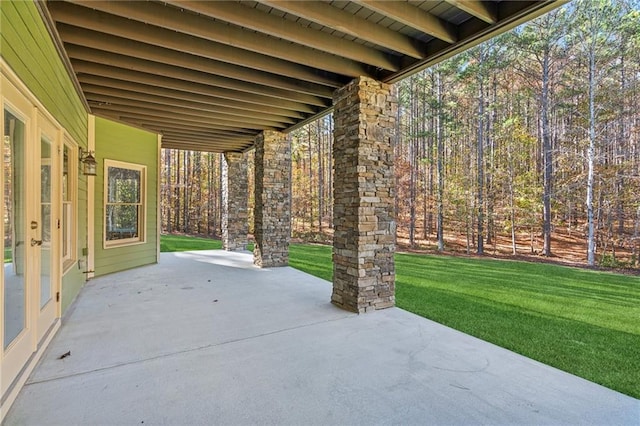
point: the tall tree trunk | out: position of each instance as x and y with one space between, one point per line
591 241
169 183
413 119
621 149
320 136
512 205
209 194
186 193
480 161
426 162
491 118
177 209
547 162
440 162
310 177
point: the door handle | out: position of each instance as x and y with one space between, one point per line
36 242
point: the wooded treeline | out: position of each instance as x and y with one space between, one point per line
525 140
190 192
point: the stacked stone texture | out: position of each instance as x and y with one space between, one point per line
364 222
272 211
235 191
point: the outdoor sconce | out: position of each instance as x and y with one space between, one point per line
89 163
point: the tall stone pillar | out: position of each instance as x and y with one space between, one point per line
235 191
272 211
364 223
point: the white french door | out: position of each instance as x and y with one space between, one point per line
30 277
48 228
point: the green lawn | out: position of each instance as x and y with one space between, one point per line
185 243
583 322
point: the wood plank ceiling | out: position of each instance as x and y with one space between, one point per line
210 75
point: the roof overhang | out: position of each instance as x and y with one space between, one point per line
211 75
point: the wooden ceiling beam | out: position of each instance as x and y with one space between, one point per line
125 89
209 147
483 10
208 139
213 145
332 17
78 40
275 26
171 71
413 17
171 18
208 119
221 142
157 102
66 13
179 124
204 136
83 67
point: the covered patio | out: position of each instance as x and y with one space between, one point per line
209 338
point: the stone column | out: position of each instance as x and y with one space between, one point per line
235 191
364 223
272 211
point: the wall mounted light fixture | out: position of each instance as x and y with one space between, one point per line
89 164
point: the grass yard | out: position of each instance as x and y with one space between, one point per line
580 321
184 243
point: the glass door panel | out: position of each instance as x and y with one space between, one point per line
46 241
46 218
15 302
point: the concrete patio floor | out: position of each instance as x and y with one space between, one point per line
207 338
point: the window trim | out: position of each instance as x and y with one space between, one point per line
142 220
69 260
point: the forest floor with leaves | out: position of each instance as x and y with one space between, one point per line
568 248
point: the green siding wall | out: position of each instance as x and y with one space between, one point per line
115 141
26 47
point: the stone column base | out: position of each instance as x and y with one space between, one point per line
364 222
272 211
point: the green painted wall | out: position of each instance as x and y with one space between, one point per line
26 47
116 141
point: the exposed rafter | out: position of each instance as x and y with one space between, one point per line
332 17
172 71
485 11
274 26
79 39
161 81
84 17
158 15
155 102
414 17
185 115
113 86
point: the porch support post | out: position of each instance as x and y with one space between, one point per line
364 222
272 211
235 189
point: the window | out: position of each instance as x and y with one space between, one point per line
124 207
69 195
